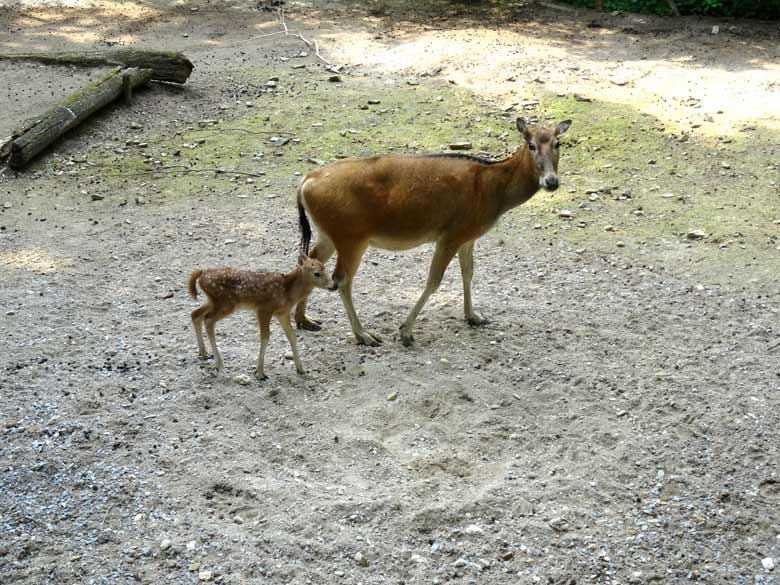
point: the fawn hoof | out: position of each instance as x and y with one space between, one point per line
260 376
366 338
407 339
476 320
308 324
300 371
203 356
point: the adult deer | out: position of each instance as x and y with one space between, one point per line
401 202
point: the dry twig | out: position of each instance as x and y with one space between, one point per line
292 33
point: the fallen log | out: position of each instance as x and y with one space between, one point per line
38 133
165 65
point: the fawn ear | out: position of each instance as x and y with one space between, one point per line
301 259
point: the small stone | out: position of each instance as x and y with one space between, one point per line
507 556
242 379
461 146
473 529
270 83
609 228
96 197
191 545
667 195
565 213
559 524
361 559
593 197
715 29
194 566
238 519
335 78
725 165
768 563
696 234
373 102
205 576
537 226
582 98
7 205
412 82
250 105
392 396
165 544
10 313
417 559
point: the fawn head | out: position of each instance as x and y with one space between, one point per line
543 145
314 273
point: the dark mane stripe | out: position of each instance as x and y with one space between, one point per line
471 157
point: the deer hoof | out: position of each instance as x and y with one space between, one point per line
300 371
407 339
203 356
477 320
308 324
260 376
366 338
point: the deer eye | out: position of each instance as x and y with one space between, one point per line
317 274
531 147
557 144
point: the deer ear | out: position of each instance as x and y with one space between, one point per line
523 128
562 127
301 259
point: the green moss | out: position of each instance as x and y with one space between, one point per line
625 156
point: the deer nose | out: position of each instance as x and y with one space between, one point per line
551 183
335 286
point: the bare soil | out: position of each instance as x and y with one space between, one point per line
616 422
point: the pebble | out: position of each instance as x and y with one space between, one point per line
417 559
461 146
361 559
334 78
205 576
565 213
165 544
242 379
238 519
473 529
768 563
696 234
392 396
191 545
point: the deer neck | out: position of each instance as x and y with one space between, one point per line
522 180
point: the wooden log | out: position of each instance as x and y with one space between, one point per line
165 65
36 135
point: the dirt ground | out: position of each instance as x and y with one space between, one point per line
616 422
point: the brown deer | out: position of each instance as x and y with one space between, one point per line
401 202
268 294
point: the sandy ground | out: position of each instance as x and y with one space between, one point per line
617 422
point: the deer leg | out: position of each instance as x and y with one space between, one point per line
466 258
210 324
197 323
264 322
441 259
347 264
284 321
323 249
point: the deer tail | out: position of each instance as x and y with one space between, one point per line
194 276
303 223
